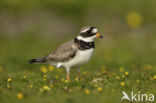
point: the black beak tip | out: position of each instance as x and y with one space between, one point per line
101 36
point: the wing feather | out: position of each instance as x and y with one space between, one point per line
63 53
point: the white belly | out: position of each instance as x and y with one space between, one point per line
81 58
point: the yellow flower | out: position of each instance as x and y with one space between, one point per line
44 79
95 85
44 76
148 67
19 95
46 88
30 86
117 77
56 76
126 73
8 86
138 81
81 79
59 70
114 73
44 69
84 73
24 77
79 88
134 19
66 81
99 89
154 77
99 74
9 80
87 91
1 69
122 83
76 79
51 68
121 69
123 76
62 79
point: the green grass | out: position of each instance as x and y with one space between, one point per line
136 54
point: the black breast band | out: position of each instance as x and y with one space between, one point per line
82 45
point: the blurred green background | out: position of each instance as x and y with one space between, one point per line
33 28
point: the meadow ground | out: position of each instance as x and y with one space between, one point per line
122 62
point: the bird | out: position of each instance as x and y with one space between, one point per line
74 53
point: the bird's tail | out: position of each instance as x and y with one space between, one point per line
38 60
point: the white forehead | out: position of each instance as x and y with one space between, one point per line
85 30
94 30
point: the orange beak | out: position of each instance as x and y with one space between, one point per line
98 35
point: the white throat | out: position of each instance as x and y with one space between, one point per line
87 39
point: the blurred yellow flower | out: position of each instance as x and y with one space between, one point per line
134 19
114 73
81 79
95 85
122 83
138 81
121 69
8 86
30 86
79 88
84 73
19 95
44 79
46 88
44 76
117 77
9 80
24 77
87 91
123 76
126 73
154 77
99 89
56 76
66 81
51 68
59 70
76 79
148 67
62 79
44 69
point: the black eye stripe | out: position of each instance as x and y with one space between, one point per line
88 33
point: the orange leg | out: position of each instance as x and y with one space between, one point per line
78 75
68 78
68 72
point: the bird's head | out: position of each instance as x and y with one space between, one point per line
88 34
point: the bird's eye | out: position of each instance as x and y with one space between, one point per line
89 31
